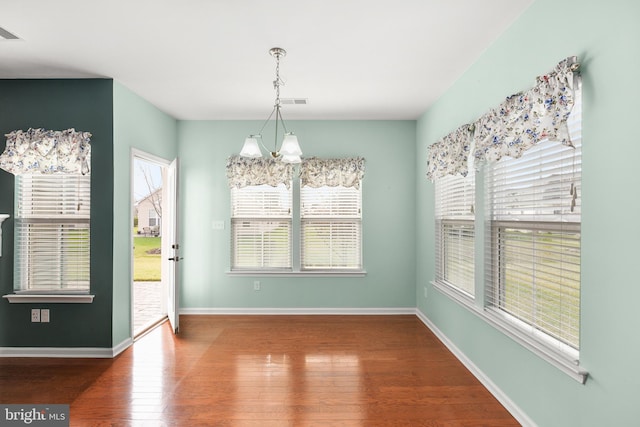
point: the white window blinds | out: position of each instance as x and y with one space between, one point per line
52 233
533 271
331 228
261 227
454 209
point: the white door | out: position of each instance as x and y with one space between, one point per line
170 246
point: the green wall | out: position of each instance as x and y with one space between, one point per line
85 105
605 36
388 217
136 124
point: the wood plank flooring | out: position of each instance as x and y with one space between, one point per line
265 371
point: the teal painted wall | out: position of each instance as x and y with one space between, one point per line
140 125
61 104
605 36
388 217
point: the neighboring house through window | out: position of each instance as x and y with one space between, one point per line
149 213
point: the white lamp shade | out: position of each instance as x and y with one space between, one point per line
250 148
290 146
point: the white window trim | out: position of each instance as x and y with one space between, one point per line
297 273
49 298
501 322
53 295
463 298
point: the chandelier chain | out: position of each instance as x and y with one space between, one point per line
292 152
277 82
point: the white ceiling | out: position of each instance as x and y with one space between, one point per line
208 59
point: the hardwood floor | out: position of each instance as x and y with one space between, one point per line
265 371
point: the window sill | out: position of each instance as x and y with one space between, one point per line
49 298
274 273
565 362
459 296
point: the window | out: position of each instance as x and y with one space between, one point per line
330 215
153 218
533 242
331 228
529 150
455 234
52 233
261 227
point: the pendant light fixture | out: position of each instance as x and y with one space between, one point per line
289 149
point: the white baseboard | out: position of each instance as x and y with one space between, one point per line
62 352
299 311
121 347
66 352
513 409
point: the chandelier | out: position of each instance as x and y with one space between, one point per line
289 149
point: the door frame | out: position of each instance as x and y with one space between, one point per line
164 164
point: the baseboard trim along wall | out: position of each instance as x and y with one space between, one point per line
66 352
61 352
121 347
513 409
299 311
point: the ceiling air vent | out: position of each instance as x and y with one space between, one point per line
6 35
294 101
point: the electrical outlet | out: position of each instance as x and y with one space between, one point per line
35 315
256 285
425 291
44 315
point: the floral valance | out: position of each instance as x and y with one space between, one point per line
449 156
526 118
316 172
47 151
245 171
520 122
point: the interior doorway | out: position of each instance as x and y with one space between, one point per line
149 293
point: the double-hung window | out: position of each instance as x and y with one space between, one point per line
330 215
52 233
261 227
261 213
455 233
331 228
533 241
